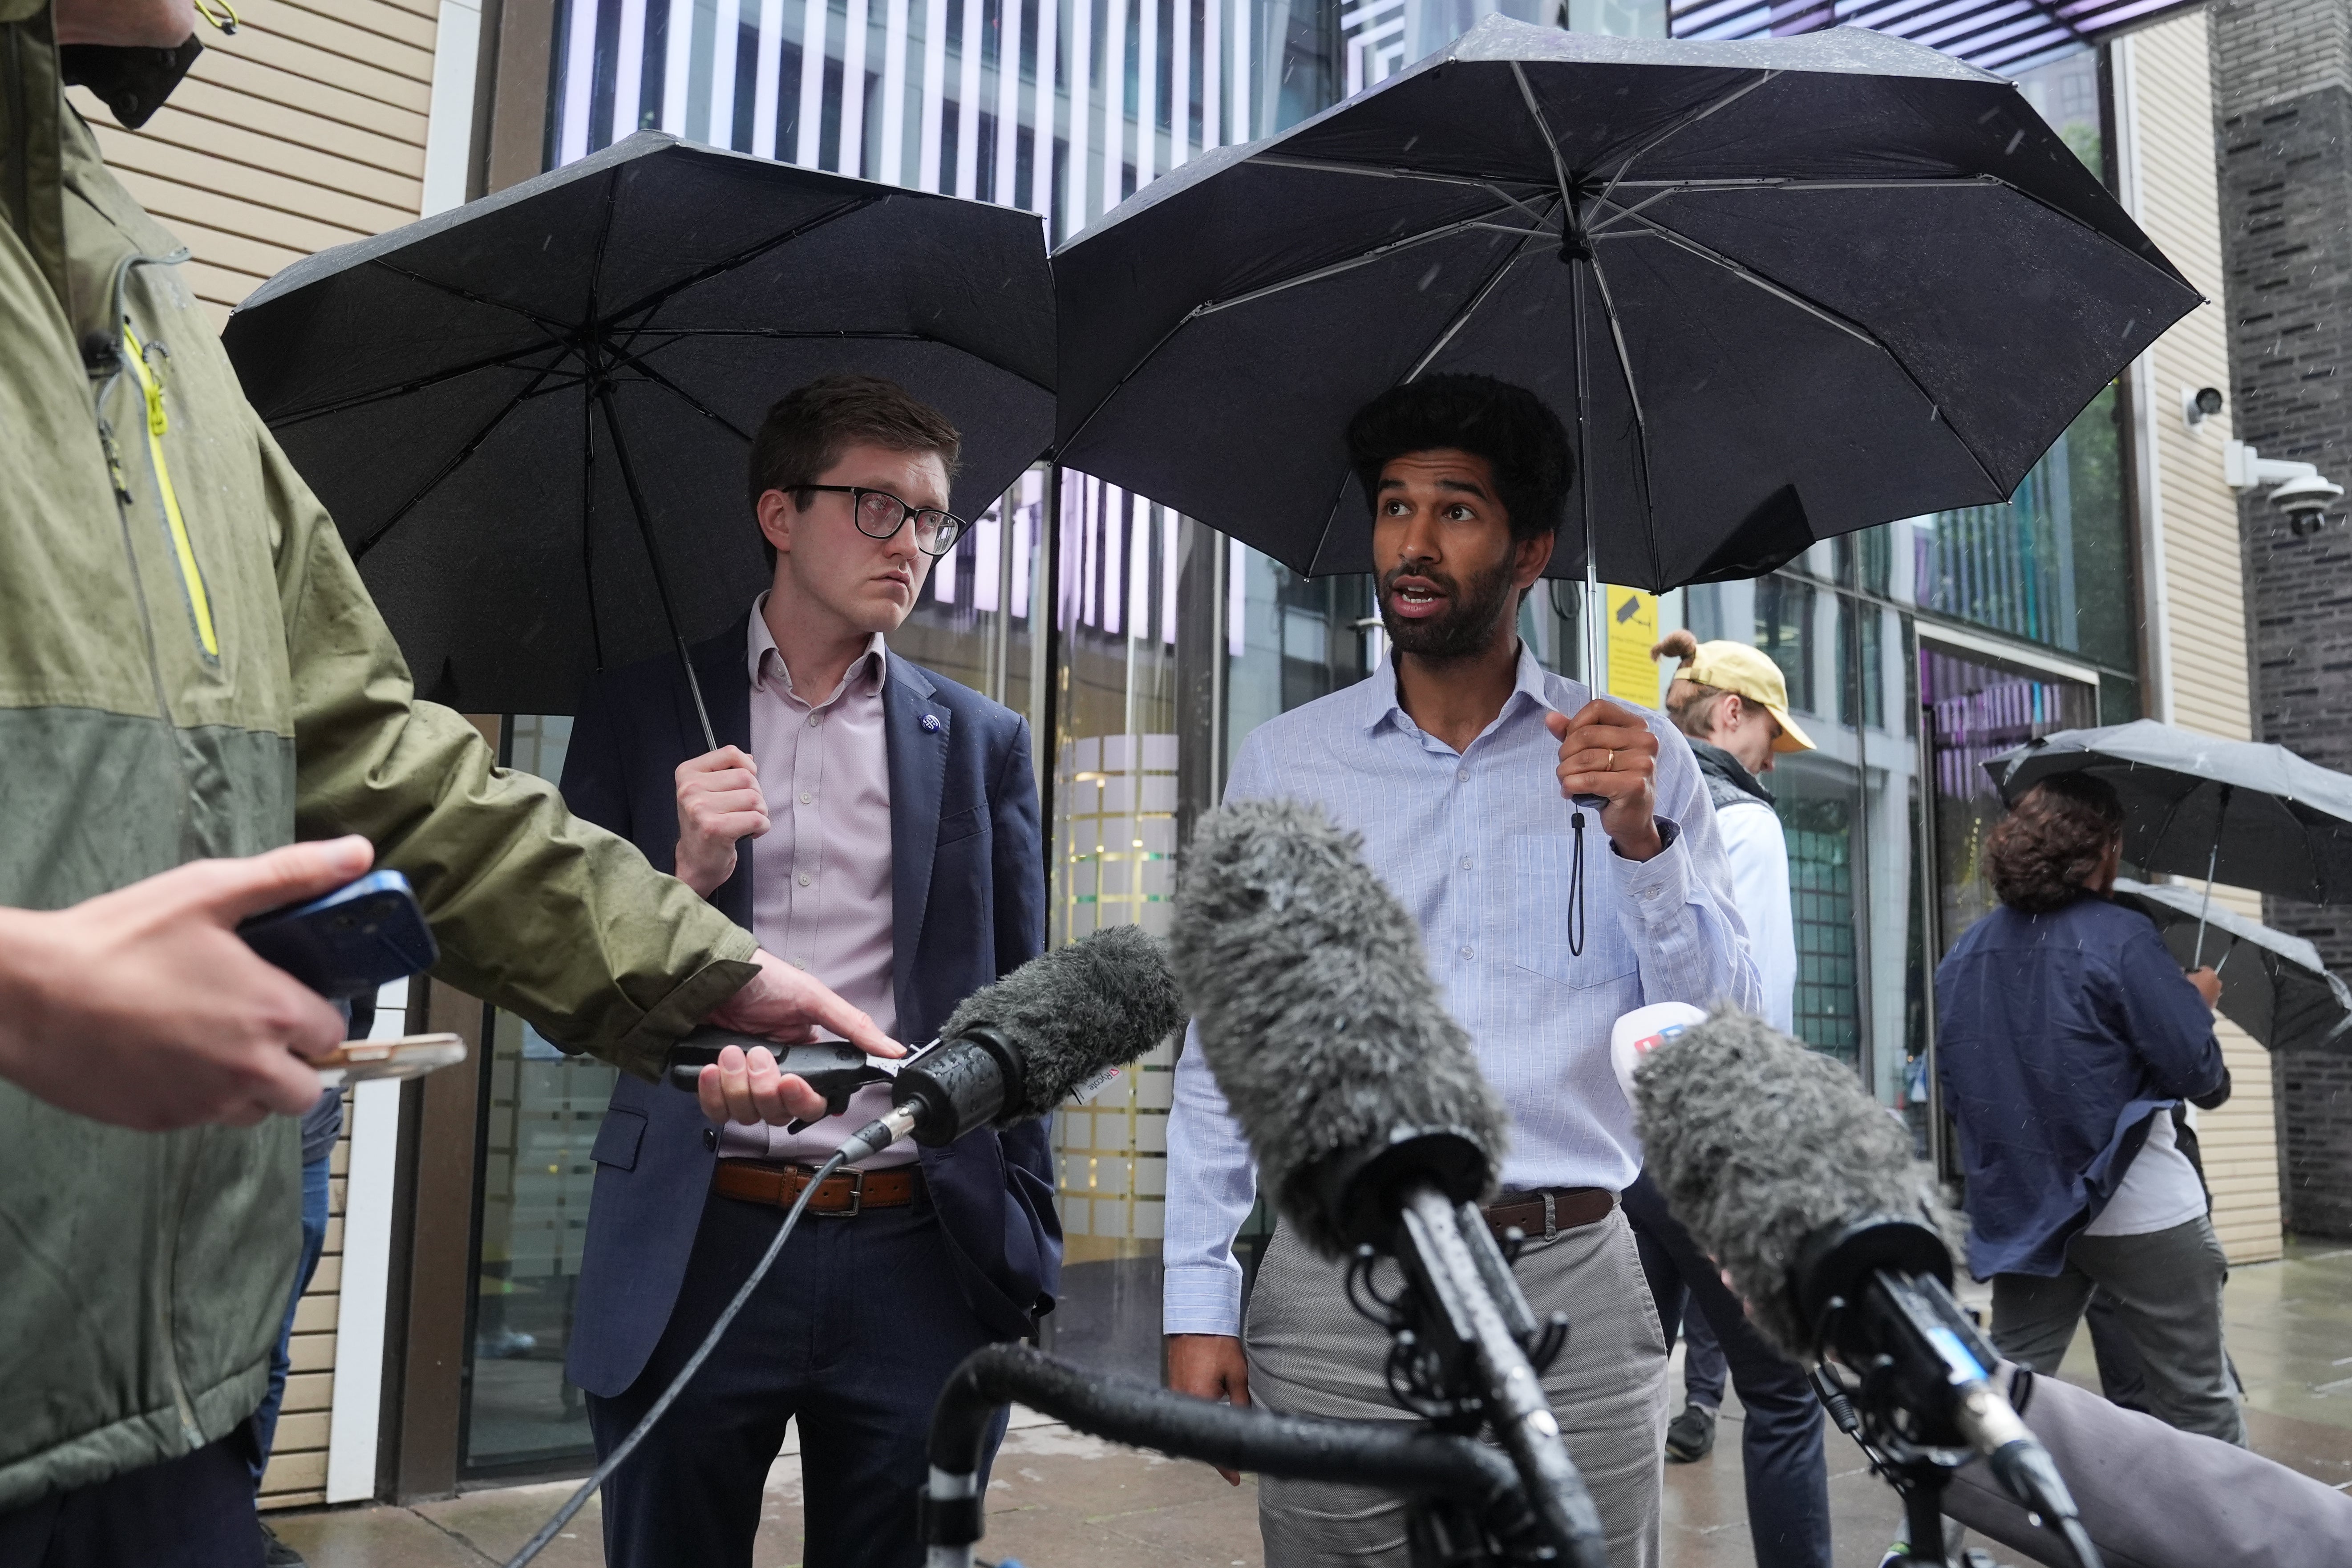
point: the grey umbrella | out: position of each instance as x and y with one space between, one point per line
2240 812
2273 985
1783 288
530 415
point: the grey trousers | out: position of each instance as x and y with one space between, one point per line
2166 1290
1312 1354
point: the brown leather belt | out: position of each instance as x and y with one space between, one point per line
1542 1213
842 1195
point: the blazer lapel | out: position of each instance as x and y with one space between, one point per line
916 727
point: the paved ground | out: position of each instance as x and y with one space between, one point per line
1064 1501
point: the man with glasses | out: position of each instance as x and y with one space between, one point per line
875 824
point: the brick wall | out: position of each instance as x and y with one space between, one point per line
2283 102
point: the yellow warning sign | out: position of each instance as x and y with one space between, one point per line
1632 631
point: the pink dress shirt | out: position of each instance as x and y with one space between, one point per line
820 874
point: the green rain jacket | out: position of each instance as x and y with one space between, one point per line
190 667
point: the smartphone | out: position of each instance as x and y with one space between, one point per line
358 937
411 1056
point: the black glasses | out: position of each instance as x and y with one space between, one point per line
880 515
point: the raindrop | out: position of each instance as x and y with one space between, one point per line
1429 277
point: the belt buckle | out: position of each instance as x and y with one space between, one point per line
856 1198
1552 1217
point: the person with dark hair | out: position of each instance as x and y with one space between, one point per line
2067 1036
876 824
1456 760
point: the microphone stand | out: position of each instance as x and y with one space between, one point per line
1468 1353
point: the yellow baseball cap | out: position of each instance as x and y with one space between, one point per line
1736 667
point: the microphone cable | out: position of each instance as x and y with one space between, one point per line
629 1444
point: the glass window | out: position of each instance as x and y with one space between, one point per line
540 1112
1113 842
1290 639
1784 628
1817 820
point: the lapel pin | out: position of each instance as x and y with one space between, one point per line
931 722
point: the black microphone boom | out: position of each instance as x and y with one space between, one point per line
1803 1188
1374 1131
1016 1050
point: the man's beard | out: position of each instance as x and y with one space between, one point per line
1468 626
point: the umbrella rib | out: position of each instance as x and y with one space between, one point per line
1684 123
1641 421
361 399
1377 253
1552 144
658 379
667 291
451 467
1325 166
1210 307
553 329
1822 312
1453 328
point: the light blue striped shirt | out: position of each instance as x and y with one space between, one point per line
1478 845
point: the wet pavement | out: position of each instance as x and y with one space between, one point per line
1061 1500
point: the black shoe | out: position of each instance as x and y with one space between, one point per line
276 1553
1690 1436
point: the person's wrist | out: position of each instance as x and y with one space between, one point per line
1642 841
24 1002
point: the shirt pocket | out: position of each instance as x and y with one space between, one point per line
1543 869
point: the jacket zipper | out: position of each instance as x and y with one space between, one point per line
191 577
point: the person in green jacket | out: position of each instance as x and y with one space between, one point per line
202 716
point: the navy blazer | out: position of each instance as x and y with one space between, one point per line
968 904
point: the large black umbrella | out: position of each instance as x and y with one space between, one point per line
530 415
2274 985
2240 812
1811 284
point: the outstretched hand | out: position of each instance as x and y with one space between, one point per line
788 1006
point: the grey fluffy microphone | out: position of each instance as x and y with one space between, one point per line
1365 1108
1316 1014
1804 1189
1016 1050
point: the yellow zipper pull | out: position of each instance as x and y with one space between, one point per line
150 386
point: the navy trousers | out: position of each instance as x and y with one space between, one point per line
1780 1441
195 1512
854 1332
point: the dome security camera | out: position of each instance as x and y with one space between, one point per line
2305 500
2298 490
2199 404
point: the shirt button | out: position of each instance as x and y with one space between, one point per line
806 798
815 720
1465 862
804 878
1462 776
1469 953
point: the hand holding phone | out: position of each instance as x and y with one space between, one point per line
411 1056
363 934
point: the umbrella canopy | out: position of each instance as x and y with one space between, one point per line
2246 813
1812 284
530 415
2273 985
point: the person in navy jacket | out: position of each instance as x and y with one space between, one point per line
2067 1038
876 824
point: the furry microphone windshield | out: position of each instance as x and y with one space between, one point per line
1315 1007
1759 1143
1074 1012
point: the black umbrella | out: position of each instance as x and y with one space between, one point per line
1812 284
530 415
2240 812
2273 985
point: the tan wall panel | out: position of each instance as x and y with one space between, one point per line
262 187
341 29
409 24
363 74
183 208
2204 596
243 128
340 104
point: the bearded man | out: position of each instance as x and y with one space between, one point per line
1459 760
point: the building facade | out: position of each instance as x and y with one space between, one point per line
1143 644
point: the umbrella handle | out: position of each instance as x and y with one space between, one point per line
2213 861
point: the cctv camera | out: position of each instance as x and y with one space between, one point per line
2305 500
2199 404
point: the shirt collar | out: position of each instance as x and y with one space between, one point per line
865 676
1381 705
